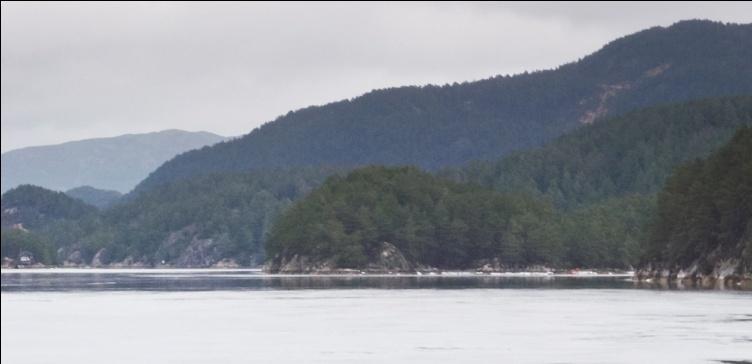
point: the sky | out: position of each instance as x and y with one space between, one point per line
74 71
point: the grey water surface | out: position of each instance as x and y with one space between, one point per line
244 316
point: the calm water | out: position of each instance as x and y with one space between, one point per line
198 316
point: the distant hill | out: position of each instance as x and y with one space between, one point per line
98 198
437 126
31 207
116 163
40 221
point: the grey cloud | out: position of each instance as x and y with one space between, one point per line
80 70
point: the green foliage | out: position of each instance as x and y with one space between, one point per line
705 210
235 210
444 224
438 126
15 241
634 153
35 207
607 233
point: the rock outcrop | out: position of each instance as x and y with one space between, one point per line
389 259
725 273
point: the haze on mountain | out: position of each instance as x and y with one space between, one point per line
438 126
116 163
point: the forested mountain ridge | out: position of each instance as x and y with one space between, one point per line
32 207
584 200
597 219
703 224
214 219
35 220
115 163
438 126
628 154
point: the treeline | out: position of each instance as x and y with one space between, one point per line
704 214
439 223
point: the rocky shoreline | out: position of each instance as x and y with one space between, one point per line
730 273
125 264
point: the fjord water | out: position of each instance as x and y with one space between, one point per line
197 316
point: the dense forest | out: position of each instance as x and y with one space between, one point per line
194 222
38 220
438 126
597 186
629 154
704 215
584 200
438 223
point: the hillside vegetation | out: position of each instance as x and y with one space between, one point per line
433 127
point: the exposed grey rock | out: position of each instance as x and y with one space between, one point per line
390 259
100 258
74 259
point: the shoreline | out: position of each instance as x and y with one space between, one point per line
336 273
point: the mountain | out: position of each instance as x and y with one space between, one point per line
438 126
40 221
100 199
633 153
586 199
203 221
116 163
704 222
31 207
192 223
517 212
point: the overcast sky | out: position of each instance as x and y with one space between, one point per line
80 70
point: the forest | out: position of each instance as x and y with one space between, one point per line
585 200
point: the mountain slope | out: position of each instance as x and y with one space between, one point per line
434 126
633 153
31 207
704 220
601 179
116 163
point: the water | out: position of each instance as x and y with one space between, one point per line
202 316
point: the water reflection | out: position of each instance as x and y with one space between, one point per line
206 280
